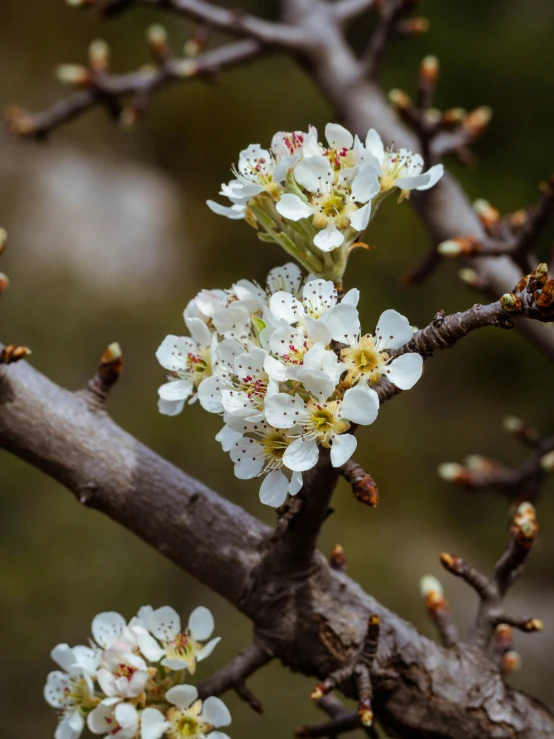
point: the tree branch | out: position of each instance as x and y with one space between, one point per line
347 10
314 627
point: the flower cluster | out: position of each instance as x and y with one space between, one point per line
314 199
288 369
128 682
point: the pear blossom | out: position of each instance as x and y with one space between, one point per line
179 649
323 421
399 168
188 717
114 719
257 449
123 674
74 697
367 357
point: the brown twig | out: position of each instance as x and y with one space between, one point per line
491 592
234 675
439 610
109 370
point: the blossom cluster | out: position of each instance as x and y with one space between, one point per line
288 369
315 199
128 682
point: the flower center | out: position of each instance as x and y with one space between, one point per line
185 724
274 445
332 207
124 670
324 421
180 647
363 360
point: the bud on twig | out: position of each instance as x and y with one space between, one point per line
400 99
337 560
522 431
471 278
4 282
511 303
477 120
99 56
11 354
73 75
462 246
488 215
429 69
413 26
453 472
547 462
156 37
3 240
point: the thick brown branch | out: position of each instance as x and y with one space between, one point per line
312 628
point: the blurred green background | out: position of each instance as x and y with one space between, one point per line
109 239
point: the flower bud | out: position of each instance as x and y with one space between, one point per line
414 26
513 425
545 301
11 354
470 277
156 37
511 662
477 120
431 588
365 712
534 624
451 472
461 246
429 69
399 99
547 462
454 116
3 240
488 215
337 560
73 75
99 55
4 282
186 68
510 303
450 248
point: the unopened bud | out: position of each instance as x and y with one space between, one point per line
510 303
454 116
337 560
99 55
320 690
365 712
539 277
197 43
470 277
429 68
4 282
450 248
478 463
451 472
156 37
534 624
186 68
399 99
431 586
20 121
545 301
513 425
433 116
511 662
519 218
547 462
525 527
3 240
461 246
477 120
11 354
488 215
452 562
73 75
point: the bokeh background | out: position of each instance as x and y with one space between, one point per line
109 239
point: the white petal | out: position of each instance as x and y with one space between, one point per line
152 724
148 646
182 695
366 184
199 331
126 715
235 212
314 173
285 306
282 168
164 623
215 712
435 173
295 485
317 383
170 407
352 297
274 488
280 410
63 656
64 730
247 454
209 395
301 455
96 720
405 371
106 681
329 238
175 390
207 649
227 437
319 331
375 146
275 369
319 296
218 735
293 208
173 350
310 147
344 323
54 690
107 628
360 405
393 330
360 218
232 322
201 623
342 449
338 136
88 659
414 182
287 278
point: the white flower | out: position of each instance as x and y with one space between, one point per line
399 168
367 357
188 718
334 201
179 649
258 449
114 719
71 694
322 421
76 660
123 674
